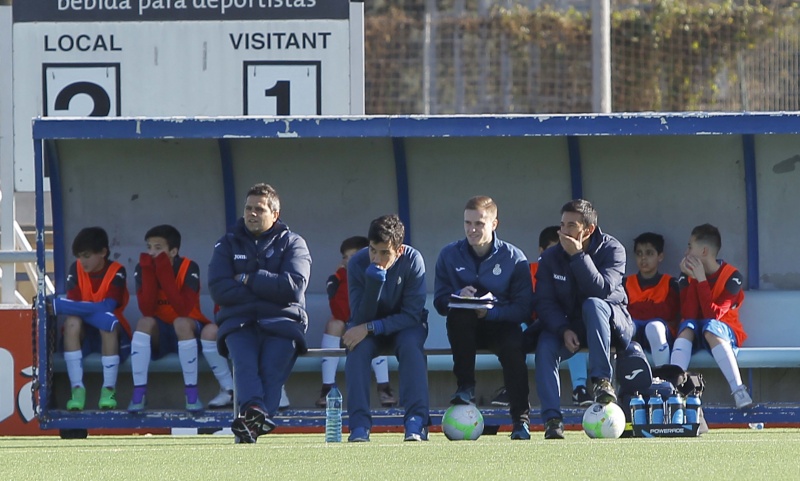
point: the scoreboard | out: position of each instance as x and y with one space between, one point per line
111 58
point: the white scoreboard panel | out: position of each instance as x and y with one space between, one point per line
182 58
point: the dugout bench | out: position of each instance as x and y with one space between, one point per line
423 168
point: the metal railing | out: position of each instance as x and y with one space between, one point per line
24 254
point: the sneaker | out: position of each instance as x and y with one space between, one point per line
284 403
108 398
323 396
78 400
581 397
743 400
139 399
244 433
464 395
520 431
501 397
604 392
222 400
253 423
358 435
554 429
193 404
386 395
415 431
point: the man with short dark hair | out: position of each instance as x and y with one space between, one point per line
386 284
258 276
581 300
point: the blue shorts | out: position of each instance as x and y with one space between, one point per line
714 326
93 343
641 338
168 339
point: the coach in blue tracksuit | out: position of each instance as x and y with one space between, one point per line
581 301
472 267
386 287
258 277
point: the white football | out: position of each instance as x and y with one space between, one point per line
605 421
462 422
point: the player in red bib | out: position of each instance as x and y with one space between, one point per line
711 293
168 292
96 296
653 299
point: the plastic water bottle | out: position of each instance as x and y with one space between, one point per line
756 426
638 411
675 408
333 416
656 407
692 409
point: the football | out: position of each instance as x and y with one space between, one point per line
462 422
604 421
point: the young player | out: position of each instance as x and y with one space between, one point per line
340 309
711 293
653 298
168 292
548 237
96 296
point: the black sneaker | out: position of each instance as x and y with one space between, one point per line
554 429
581 397
604 392
252 424
501 397
323 396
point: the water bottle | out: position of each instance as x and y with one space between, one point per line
333 416
692 409
675 408
638 411
756 426
656 407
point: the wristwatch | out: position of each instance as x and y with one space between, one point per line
370 328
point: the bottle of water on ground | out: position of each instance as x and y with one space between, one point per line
655 406
692 409
333 416
638 411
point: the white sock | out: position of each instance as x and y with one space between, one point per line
110 370
329 364
140 357
187 353
656 333
381 367
74 360
219 365
726 360
682 353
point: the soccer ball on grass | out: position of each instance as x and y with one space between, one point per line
462 422
605 421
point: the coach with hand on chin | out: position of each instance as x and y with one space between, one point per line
581 301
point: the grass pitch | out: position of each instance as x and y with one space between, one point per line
725 454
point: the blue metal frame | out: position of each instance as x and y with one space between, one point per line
751 202
401 178
47 131
56 195
575 172
420 126
228 183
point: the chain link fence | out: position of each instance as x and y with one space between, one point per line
504 56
